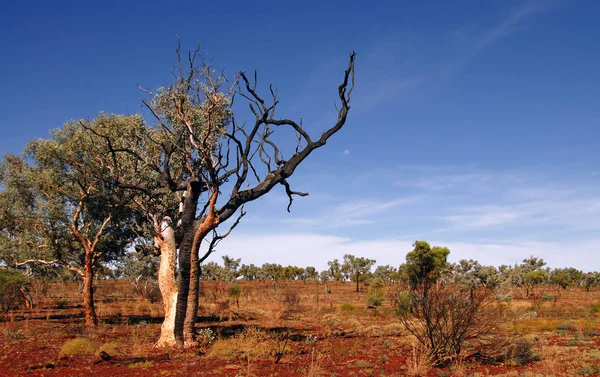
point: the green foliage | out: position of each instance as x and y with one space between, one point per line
140 268
234 291
425 264
347 307
230 268
357 268
11 284
205 337
376 293
595 307
402 303
547 297
335 270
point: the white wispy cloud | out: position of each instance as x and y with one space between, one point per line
398 66
356 211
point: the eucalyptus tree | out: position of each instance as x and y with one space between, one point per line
249 272
425 265
335 270
310 273
197 150
61 212
386 273
357 268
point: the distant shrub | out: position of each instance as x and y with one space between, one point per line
595 307
234 291
376 293
565 326
291 298
588 370
591 332
78 346
347 307
61 303
547 297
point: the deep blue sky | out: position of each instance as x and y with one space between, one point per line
475 124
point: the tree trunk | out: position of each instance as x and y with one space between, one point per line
167 283
209 223
357 288
183 284
88 290
192 304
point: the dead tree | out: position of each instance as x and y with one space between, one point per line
199 153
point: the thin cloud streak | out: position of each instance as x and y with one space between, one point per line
410 72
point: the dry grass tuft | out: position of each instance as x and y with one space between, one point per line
250 345
419 362
110 348
78 346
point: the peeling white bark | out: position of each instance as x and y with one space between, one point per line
166 282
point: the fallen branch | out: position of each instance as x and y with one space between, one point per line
104 357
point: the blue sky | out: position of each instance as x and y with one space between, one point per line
473 125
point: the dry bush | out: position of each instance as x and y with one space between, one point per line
110 348
78 346
444 318
550 362
291 298
143 308
250 345
223 308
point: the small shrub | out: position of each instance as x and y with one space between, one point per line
235 292
250 345
205 338
14 335
447 319
291 298
591 332
547 297
376 293
595 307
588 370
347 307
144 308
521 353
565 326
62 303
78 346
331 320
